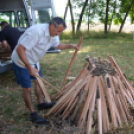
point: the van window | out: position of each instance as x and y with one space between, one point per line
43 15
22 20
9 17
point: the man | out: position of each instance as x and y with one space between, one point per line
9 36
33 45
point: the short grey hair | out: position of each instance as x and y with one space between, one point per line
58 21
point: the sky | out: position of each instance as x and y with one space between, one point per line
60 8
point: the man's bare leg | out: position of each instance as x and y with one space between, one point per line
38 92
34 117
27 99
41 104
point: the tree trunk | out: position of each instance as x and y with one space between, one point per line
106 20
110 23
125 16
112 16
81 15
72 19
89 14
66 9
88 19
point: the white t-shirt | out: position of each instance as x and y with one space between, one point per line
37 41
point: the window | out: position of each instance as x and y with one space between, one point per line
9 17
43 15
22 20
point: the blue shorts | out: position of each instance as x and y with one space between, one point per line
22 76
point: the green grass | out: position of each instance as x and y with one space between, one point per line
96 35
13 114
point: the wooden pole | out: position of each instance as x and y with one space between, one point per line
86 105
42 86
122 112
71 108
73 97
85 91
120 73
104 107
99 111
110 102
58 104
49 84
124 100
71 63
90 114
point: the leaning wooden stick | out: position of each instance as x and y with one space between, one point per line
42 86
90 114
86 105
71 63
104 107
71 108
122 112
120 73
49 84
85 91
81 75
110 102
39 79
73 98
58 104
99 111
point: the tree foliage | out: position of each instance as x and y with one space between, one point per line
107 12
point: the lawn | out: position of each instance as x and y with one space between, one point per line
14 117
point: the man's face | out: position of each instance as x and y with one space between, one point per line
55 30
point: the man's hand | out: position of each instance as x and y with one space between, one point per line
75 47
32 71
6 46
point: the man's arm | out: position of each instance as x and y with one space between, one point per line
22 55
4 42
67 46
6 45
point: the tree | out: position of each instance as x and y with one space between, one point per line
131 14
126 12
89 12
66 10
106 19
106 12
81 15
113 14
72 17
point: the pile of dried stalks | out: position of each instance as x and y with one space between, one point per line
98 96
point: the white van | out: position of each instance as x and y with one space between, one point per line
19 15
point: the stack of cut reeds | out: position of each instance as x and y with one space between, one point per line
101 89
